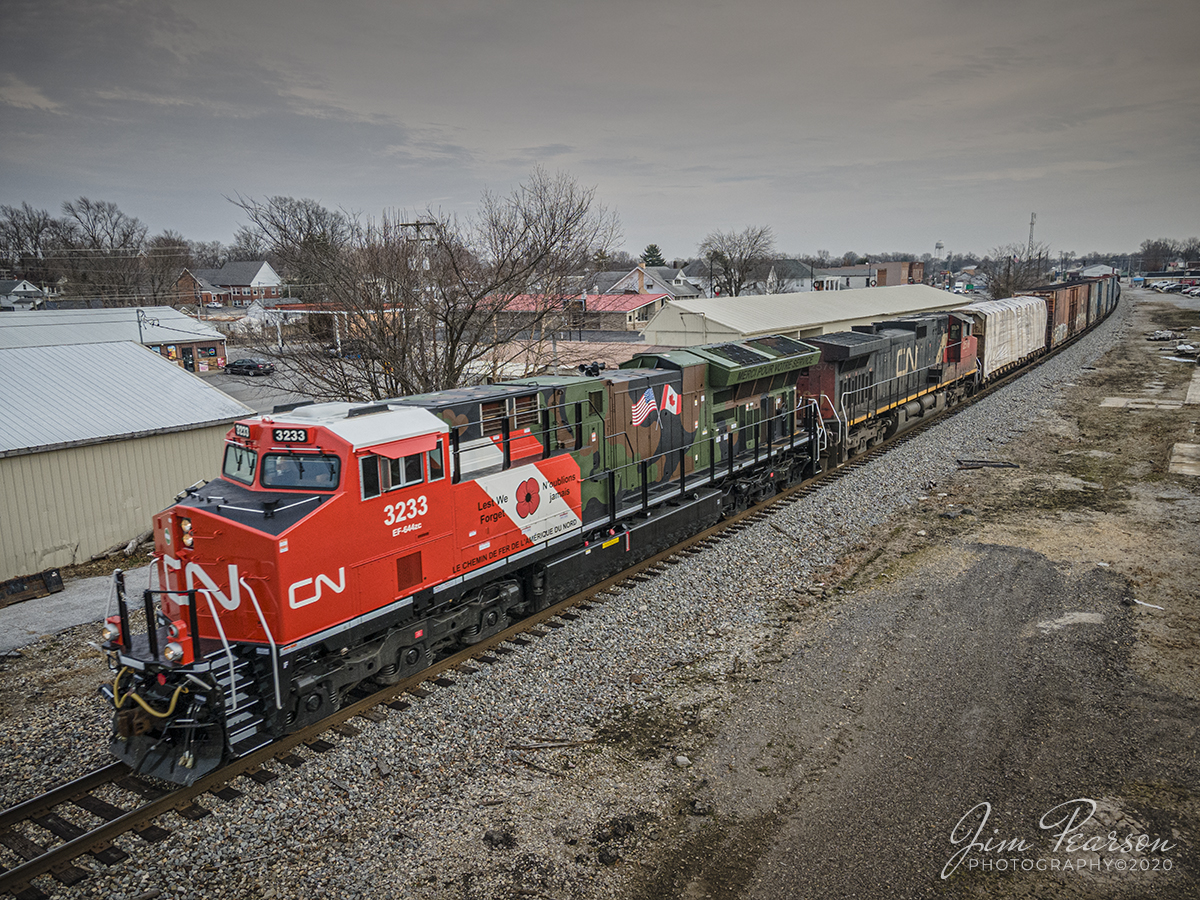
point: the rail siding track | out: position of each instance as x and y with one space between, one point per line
77 842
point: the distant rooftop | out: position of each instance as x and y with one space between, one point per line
159 325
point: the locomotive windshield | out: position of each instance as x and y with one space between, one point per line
239 463
300 470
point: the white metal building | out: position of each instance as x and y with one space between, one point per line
688 323
183 340
95 439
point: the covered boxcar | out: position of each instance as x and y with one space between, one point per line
1009 331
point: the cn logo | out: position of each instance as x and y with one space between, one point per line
194 575
295 603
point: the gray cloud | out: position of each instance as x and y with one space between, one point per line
864 123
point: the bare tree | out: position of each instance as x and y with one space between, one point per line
1159 253
163 261
739 258
608 260
1014 268
206 254
100 252
27 239
418 304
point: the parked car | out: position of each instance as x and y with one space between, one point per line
351 348
250 367
213 305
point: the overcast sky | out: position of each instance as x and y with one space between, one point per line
866 125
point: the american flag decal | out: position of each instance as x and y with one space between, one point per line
645 406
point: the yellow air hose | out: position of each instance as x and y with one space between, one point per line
118 700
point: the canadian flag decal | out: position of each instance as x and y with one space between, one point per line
671 401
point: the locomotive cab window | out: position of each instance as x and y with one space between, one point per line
436 468
305 471
381 474
239 463
403 471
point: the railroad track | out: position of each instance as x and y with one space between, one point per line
125 803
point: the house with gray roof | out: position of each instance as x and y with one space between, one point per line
234 284
779 276
95 439
642 280
20 294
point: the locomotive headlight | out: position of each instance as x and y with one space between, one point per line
109 632
185 525
173 652
173 630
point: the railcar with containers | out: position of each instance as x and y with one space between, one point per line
346 543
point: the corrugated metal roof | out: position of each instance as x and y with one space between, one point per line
160 325
770 313
64 396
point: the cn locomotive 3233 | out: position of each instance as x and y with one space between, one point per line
351 542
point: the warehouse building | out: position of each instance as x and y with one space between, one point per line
689 323
94 440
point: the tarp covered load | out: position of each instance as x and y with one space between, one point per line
1008 330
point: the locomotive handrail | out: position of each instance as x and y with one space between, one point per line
873 385
641 483
843 429
224 642
822 432
263 512
270 640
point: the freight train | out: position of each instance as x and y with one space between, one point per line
346 543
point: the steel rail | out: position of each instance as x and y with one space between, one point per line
35 806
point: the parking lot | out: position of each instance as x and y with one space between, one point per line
262 393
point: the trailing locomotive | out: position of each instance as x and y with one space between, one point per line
345 543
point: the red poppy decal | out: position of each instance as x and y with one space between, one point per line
527 498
